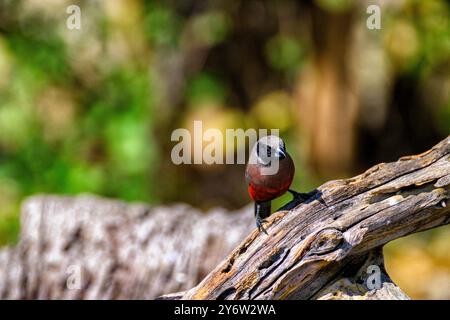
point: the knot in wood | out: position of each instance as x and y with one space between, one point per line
326 240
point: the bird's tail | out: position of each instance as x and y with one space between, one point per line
262 209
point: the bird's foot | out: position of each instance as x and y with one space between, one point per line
302 197
260 224
308 197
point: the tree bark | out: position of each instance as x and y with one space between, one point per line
327 247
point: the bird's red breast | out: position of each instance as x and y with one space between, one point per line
268 187
263 193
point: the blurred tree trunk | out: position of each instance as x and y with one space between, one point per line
327 105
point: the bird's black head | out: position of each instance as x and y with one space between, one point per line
270 147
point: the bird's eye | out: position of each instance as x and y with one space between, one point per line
269 151
264 153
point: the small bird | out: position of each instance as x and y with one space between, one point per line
263 187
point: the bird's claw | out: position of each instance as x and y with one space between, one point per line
308 197
260 224
300 196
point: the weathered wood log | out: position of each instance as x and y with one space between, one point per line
119 251
321 248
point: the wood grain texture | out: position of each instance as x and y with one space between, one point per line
330 237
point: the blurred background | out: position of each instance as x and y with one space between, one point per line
92 110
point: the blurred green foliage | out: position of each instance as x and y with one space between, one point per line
98 141
284 53
205 87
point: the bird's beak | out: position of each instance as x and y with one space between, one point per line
280 153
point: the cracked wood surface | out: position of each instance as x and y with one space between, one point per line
311 246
